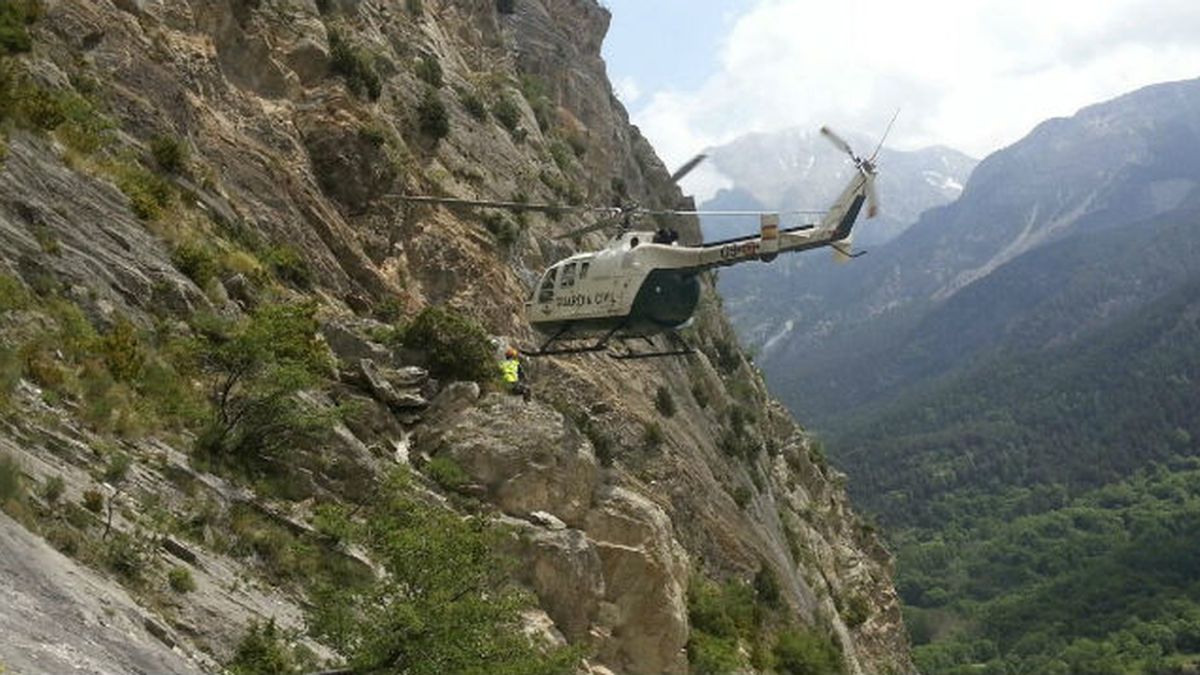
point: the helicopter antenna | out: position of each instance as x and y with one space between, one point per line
882 138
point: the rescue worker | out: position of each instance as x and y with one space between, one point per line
512 371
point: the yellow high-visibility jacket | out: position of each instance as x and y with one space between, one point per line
510 370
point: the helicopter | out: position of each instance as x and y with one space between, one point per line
645 283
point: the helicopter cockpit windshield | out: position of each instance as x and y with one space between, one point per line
546 290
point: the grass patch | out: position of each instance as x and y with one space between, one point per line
447 473
149 194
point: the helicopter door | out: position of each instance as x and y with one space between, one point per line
546 292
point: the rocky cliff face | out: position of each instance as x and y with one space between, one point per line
210 150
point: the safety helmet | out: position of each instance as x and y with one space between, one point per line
510 353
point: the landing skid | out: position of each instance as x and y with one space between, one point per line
679 347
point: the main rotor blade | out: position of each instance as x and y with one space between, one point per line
682 212
838 141
687 167
501 204
607 222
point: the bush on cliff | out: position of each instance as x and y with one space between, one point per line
455 347
446 604
253 368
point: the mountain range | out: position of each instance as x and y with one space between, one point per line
1010 385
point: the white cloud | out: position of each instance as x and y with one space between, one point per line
627 90
972 74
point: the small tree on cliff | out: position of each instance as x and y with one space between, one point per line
253 368
446 604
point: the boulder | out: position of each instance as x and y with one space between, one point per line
349 346
563 569
645 575
383 386
524 454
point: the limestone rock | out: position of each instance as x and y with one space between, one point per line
58 617
646 576
523 453
384 387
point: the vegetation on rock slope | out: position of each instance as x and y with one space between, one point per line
1011 502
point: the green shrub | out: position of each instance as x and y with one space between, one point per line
148 193
125 555
41 108
197 262
15 17
355 65
13 295
10 374
503 228
93 501
856 610
508 113
118 467
289 266
652 436
180 579
84 128
429 70
53 489
445 588
122 351
710 655
455 347
262 651
741 496
431 116
447 473
561 154
253 368
11 482
766 587
170 153
415 7
506 6
799 652
664 402
473 105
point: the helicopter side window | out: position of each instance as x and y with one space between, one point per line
583 270
546 293
568 277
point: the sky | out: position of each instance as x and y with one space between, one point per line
975 75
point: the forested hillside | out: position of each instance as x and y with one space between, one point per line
1044 502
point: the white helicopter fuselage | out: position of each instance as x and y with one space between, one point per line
637 287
